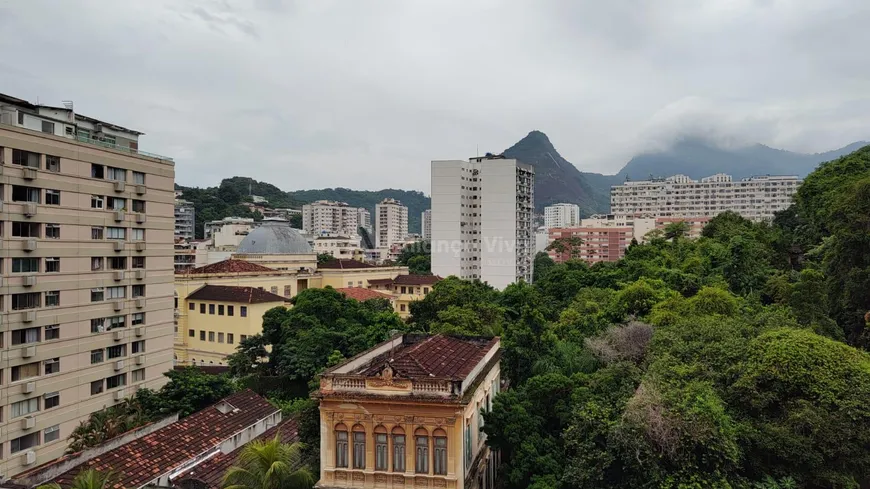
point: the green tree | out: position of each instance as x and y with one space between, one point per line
86 479
107 423
541 265
420 265
570 246
189 389
676 230
295 221
324 257
269 465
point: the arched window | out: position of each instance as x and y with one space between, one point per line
359 447
381 448
398 449
341 445
421 451
439 455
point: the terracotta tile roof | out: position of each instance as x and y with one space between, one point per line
343 264
141 461
380 281
361 294
230 266
417 279
211 472
439 356
229 293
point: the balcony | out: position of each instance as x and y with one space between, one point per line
125 149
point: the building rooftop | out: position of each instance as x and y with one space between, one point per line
343 264
228 293
408 280
230 266
361 294
142 460
212 471
274 237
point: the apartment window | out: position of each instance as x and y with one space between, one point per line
25 229
425 290
211 336
139 375
48 127
117 263
98 325
402 307
25 336
30 300
21 193
25 407
52 332
96 233
96 263
51 400
97 202
439 459
138 234
116 351
243 311
51 433
138 318
191 333
52 163
96 387
52 264
25 158
138 262
138 347
138 205
244 337
211 308
220 310
26 371
202 308
230 310
116 322
381 449
202 335
116 203
421 458
52 197
52 366
191 306
119 292
274 289
97 294
52 231
116 233
138 178
115 381
341 446
25 265
398 450
117 174
52 298
229 338
97 356
24 442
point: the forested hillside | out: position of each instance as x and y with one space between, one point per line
734 361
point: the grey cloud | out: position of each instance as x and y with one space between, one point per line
363 94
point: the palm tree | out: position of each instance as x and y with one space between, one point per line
86 479
269 465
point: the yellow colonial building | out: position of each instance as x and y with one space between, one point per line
405 289
219 317
407 414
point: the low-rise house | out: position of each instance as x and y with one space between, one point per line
405 289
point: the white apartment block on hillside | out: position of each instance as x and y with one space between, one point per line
364 219
426 225
326 216
185 219
482 220
756 198
391 219
87 304
561 215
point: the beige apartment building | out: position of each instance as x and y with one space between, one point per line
86 274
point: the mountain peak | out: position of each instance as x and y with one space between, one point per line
535 138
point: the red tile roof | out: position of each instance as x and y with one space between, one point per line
141 461
229 293
380 281
342 264
361 294
211 472
231 266
407 280
439 356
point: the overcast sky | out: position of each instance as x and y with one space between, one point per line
363 94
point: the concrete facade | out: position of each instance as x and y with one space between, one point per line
185 219
426 224
326 216
87 278
561 215
391 219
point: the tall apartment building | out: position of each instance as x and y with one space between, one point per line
756 198
561 215
426 224
364 219
482 220
185 219
326 216
87 274
391 223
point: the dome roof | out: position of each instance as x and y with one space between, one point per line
274 237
